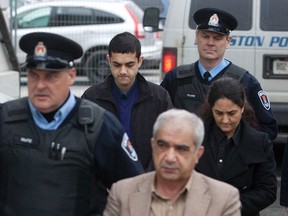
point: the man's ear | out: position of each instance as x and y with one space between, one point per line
200 152
140 61
229 38
152 142
196 34
72 75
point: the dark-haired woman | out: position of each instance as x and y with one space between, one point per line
235 151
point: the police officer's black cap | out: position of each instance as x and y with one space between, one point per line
48 51
216 20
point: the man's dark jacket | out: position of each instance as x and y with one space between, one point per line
152 100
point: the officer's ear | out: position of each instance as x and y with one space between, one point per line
196 34
228 38
72 75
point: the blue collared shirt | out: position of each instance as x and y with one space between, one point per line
214 71
59 116
125 103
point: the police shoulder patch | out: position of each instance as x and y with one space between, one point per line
264 99
128 148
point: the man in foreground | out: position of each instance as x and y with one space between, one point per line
174 188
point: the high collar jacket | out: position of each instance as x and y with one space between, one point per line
205 197
250 167
152 100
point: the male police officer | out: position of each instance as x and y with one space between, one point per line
54 145
188 85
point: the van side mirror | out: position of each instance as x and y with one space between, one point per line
152 20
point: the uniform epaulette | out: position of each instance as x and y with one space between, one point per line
235 71
184 71
17 110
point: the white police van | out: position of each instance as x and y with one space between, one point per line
259 43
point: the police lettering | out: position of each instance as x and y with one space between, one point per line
279 42
247 41
259 41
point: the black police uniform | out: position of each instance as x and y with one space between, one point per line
55 172
188 89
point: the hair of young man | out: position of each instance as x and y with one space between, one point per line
125 42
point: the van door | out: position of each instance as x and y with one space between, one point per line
271 61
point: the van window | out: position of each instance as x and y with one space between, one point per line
274 15
241 9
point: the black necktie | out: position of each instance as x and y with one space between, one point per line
206 76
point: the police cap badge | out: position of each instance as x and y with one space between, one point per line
48 51
216 20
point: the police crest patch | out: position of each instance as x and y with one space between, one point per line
128 148
214 20
264 99
40 52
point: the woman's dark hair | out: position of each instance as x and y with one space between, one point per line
232 89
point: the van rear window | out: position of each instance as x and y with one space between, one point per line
241 9
274 15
